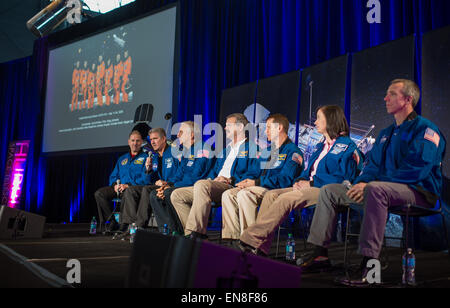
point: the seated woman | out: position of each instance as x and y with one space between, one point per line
335 159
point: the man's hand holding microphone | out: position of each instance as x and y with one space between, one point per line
120 188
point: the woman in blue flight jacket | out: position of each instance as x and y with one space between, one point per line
334 160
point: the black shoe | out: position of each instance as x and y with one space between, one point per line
122 233
197 235
122 236
110 227
233 244
314 264
124 227
358 279
249 249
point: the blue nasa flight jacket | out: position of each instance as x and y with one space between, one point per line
195 164
131 171
245 166
415 149
339 164
283 170
169 165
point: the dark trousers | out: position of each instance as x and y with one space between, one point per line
135 207
164 211
103 197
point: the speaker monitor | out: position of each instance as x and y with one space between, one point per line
176 262
16 224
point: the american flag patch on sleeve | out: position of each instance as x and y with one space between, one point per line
432 136
297 158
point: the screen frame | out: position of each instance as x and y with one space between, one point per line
125 16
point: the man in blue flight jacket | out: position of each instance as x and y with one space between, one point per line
238 162
403 167
195 164
279 169
163 166
129 170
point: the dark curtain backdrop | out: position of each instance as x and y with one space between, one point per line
224 43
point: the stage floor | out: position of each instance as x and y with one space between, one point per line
105 263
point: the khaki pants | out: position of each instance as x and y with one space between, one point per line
239 210
193 204
275 208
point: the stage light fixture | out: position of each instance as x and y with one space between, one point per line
51 17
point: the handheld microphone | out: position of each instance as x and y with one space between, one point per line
347 184
118 183
150 155
148 149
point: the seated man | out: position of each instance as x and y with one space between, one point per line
163 166
404 166
193 166
129 170
240 204
334 160
193 203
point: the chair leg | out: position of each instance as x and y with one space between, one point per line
444 225
347 227
408 206
302 225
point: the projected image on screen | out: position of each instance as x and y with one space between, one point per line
95 85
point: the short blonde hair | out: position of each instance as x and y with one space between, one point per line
410 88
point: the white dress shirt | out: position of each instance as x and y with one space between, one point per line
232 154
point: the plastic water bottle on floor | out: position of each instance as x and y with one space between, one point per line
93 229
133 229
290 248
165 230
409 267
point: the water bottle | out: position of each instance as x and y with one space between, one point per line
93 229
409 267
165 230
133 229
290 248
